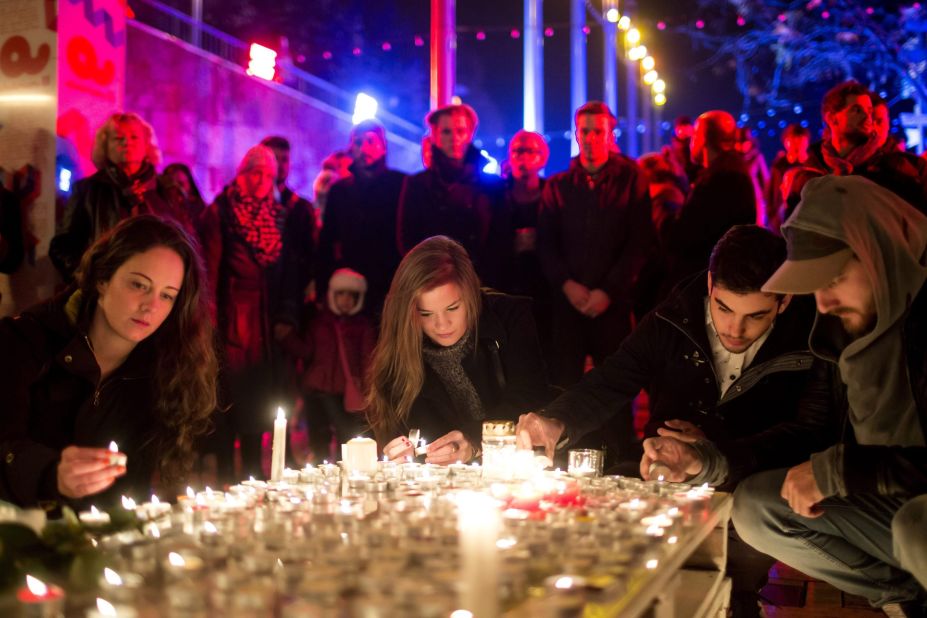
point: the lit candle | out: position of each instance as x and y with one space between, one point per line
115 457
278 456
40 599
121 588
479 525
94 517
105 609
128 503
359 456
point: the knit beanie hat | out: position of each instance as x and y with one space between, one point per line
369 126
257 156
346 280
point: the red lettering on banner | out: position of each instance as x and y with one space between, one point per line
16 57
82 58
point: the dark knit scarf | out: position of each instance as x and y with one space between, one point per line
446 362
258 222
845 166
134 187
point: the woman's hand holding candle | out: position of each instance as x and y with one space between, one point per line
449 448
398 449
85 471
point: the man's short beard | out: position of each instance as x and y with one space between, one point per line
856 137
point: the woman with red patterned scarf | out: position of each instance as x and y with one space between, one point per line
258 254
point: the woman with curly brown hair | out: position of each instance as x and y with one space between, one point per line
450 355
126 355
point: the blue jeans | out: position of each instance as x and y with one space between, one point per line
849 546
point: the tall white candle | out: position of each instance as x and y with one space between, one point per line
278 456
479 524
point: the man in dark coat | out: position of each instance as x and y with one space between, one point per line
853 513
594 231
257 252
454 198
795 142
728 368
852 145
359 225
723 195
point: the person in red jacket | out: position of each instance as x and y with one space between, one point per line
334 347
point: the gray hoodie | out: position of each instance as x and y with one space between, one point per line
889 238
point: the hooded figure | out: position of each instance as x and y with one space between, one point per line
854 514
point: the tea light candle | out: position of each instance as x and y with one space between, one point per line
120 587
94 518
278 456
182 566
359 455
105 609
40 600
566 596
115 457
153 509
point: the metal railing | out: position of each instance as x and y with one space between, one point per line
213 41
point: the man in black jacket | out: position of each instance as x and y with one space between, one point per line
852 145
359 225
725 367
455 198
594 232
861 251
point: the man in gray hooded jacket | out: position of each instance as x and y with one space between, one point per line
855 514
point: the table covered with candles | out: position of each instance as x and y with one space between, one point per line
411 539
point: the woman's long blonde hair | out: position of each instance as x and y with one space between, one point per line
397 370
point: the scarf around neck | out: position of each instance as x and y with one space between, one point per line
846 165
134 187
258 222
447 363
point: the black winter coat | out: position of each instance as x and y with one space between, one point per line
359 232
669 355
98 203
900 172
506 369
463 203
722 196
596 233
52 398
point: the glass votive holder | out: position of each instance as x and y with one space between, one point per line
566 596
585 462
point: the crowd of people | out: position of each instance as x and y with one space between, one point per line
438 300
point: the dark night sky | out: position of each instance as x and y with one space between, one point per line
489 72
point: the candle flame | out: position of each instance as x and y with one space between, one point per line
251 478
113 447
660 478
652 564
155 531
461 613
210 528
563 583
105 607
672 540
654 530
128 503
190 493
506 543
36 586
112 577
94 510
176 559
280 415
208 492
154 499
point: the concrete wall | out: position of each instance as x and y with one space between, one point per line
207 112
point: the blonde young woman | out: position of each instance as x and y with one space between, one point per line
450 355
